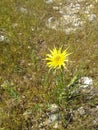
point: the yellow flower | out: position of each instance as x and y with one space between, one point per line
57 58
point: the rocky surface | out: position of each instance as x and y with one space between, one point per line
56 118
72 14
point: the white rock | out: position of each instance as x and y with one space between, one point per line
55 7
50 19
56 125
69 30
81 111
53 108
86 82
48 1
97 106
23 10
53 117
2 38
91 17
14 25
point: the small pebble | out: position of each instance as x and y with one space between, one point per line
2 38
48 1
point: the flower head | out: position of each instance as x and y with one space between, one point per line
57 58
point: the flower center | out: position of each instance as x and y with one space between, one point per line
57 59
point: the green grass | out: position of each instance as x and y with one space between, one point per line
27 88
